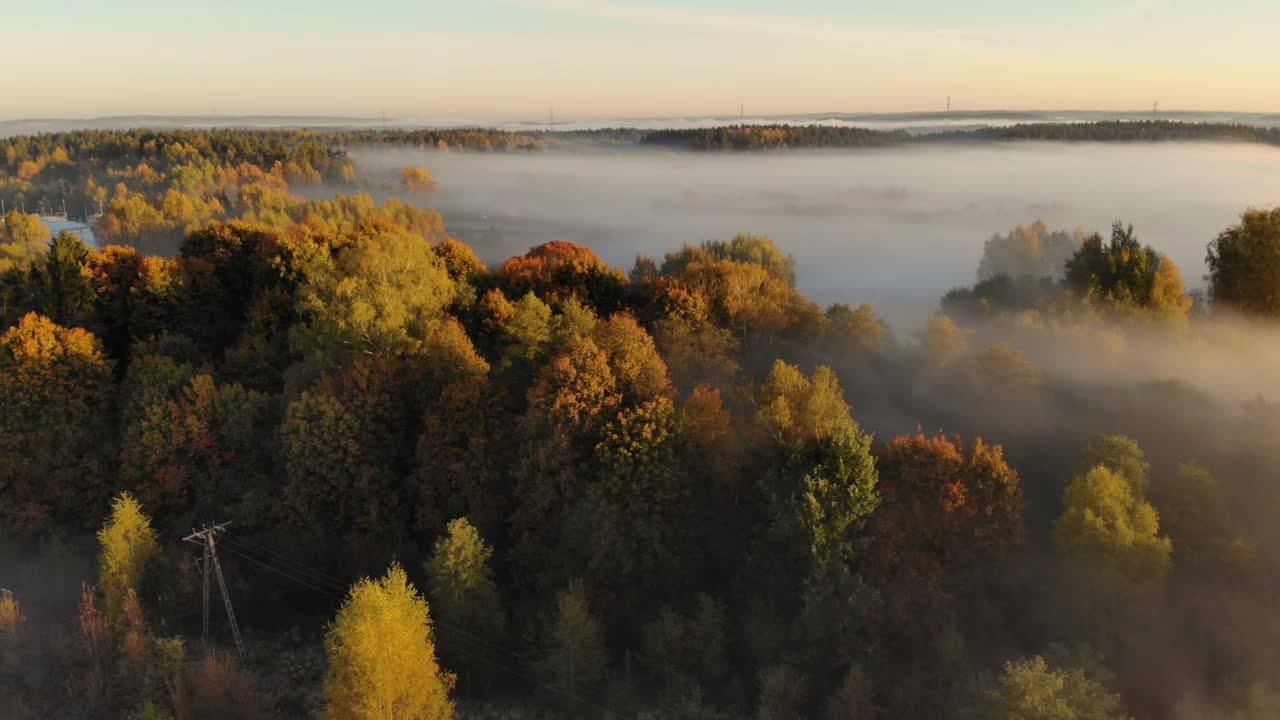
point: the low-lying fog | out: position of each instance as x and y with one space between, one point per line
894 227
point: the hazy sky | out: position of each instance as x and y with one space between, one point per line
514 58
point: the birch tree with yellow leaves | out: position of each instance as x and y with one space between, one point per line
382 656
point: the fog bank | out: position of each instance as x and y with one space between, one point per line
896 227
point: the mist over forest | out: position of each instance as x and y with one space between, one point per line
885 226
725 423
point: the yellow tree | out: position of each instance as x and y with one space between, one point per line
749 298
383 295
1107 525
11 617
796 411
1035 688
129 548
417 179
1116 560
640 370
22 239
1121 455
460 260
382 657
24 232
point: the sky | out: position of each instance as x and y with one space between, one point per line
621 58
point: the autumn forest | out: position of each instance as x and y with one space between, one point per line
551 487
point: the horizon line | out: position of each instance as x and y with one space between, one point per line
606 116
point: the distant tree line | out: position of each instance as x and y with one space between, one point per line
1116 131
784 136
774 137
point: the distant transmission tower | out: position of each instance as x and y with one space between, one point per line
206 537
1155 108
948 103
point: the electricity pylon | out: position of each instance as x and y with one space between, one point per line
205 537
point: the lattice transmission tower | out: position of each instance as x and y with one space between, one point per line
208 563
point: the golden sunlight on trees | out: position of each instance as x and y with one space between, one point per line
1122 455
1109 540
417 179
1123 274
749 298
1033 689
460 260
22 238
796 411
1107 524
690 492
382 658
578 389
358 213
384 295
133 295
130 548
558 269
639 369
744 248
695 348
55 388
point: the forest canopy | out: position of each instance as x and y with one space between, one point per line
681 489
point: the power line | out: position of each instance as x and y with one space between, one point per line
328 580
477 642
300 565
309 585
333 593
